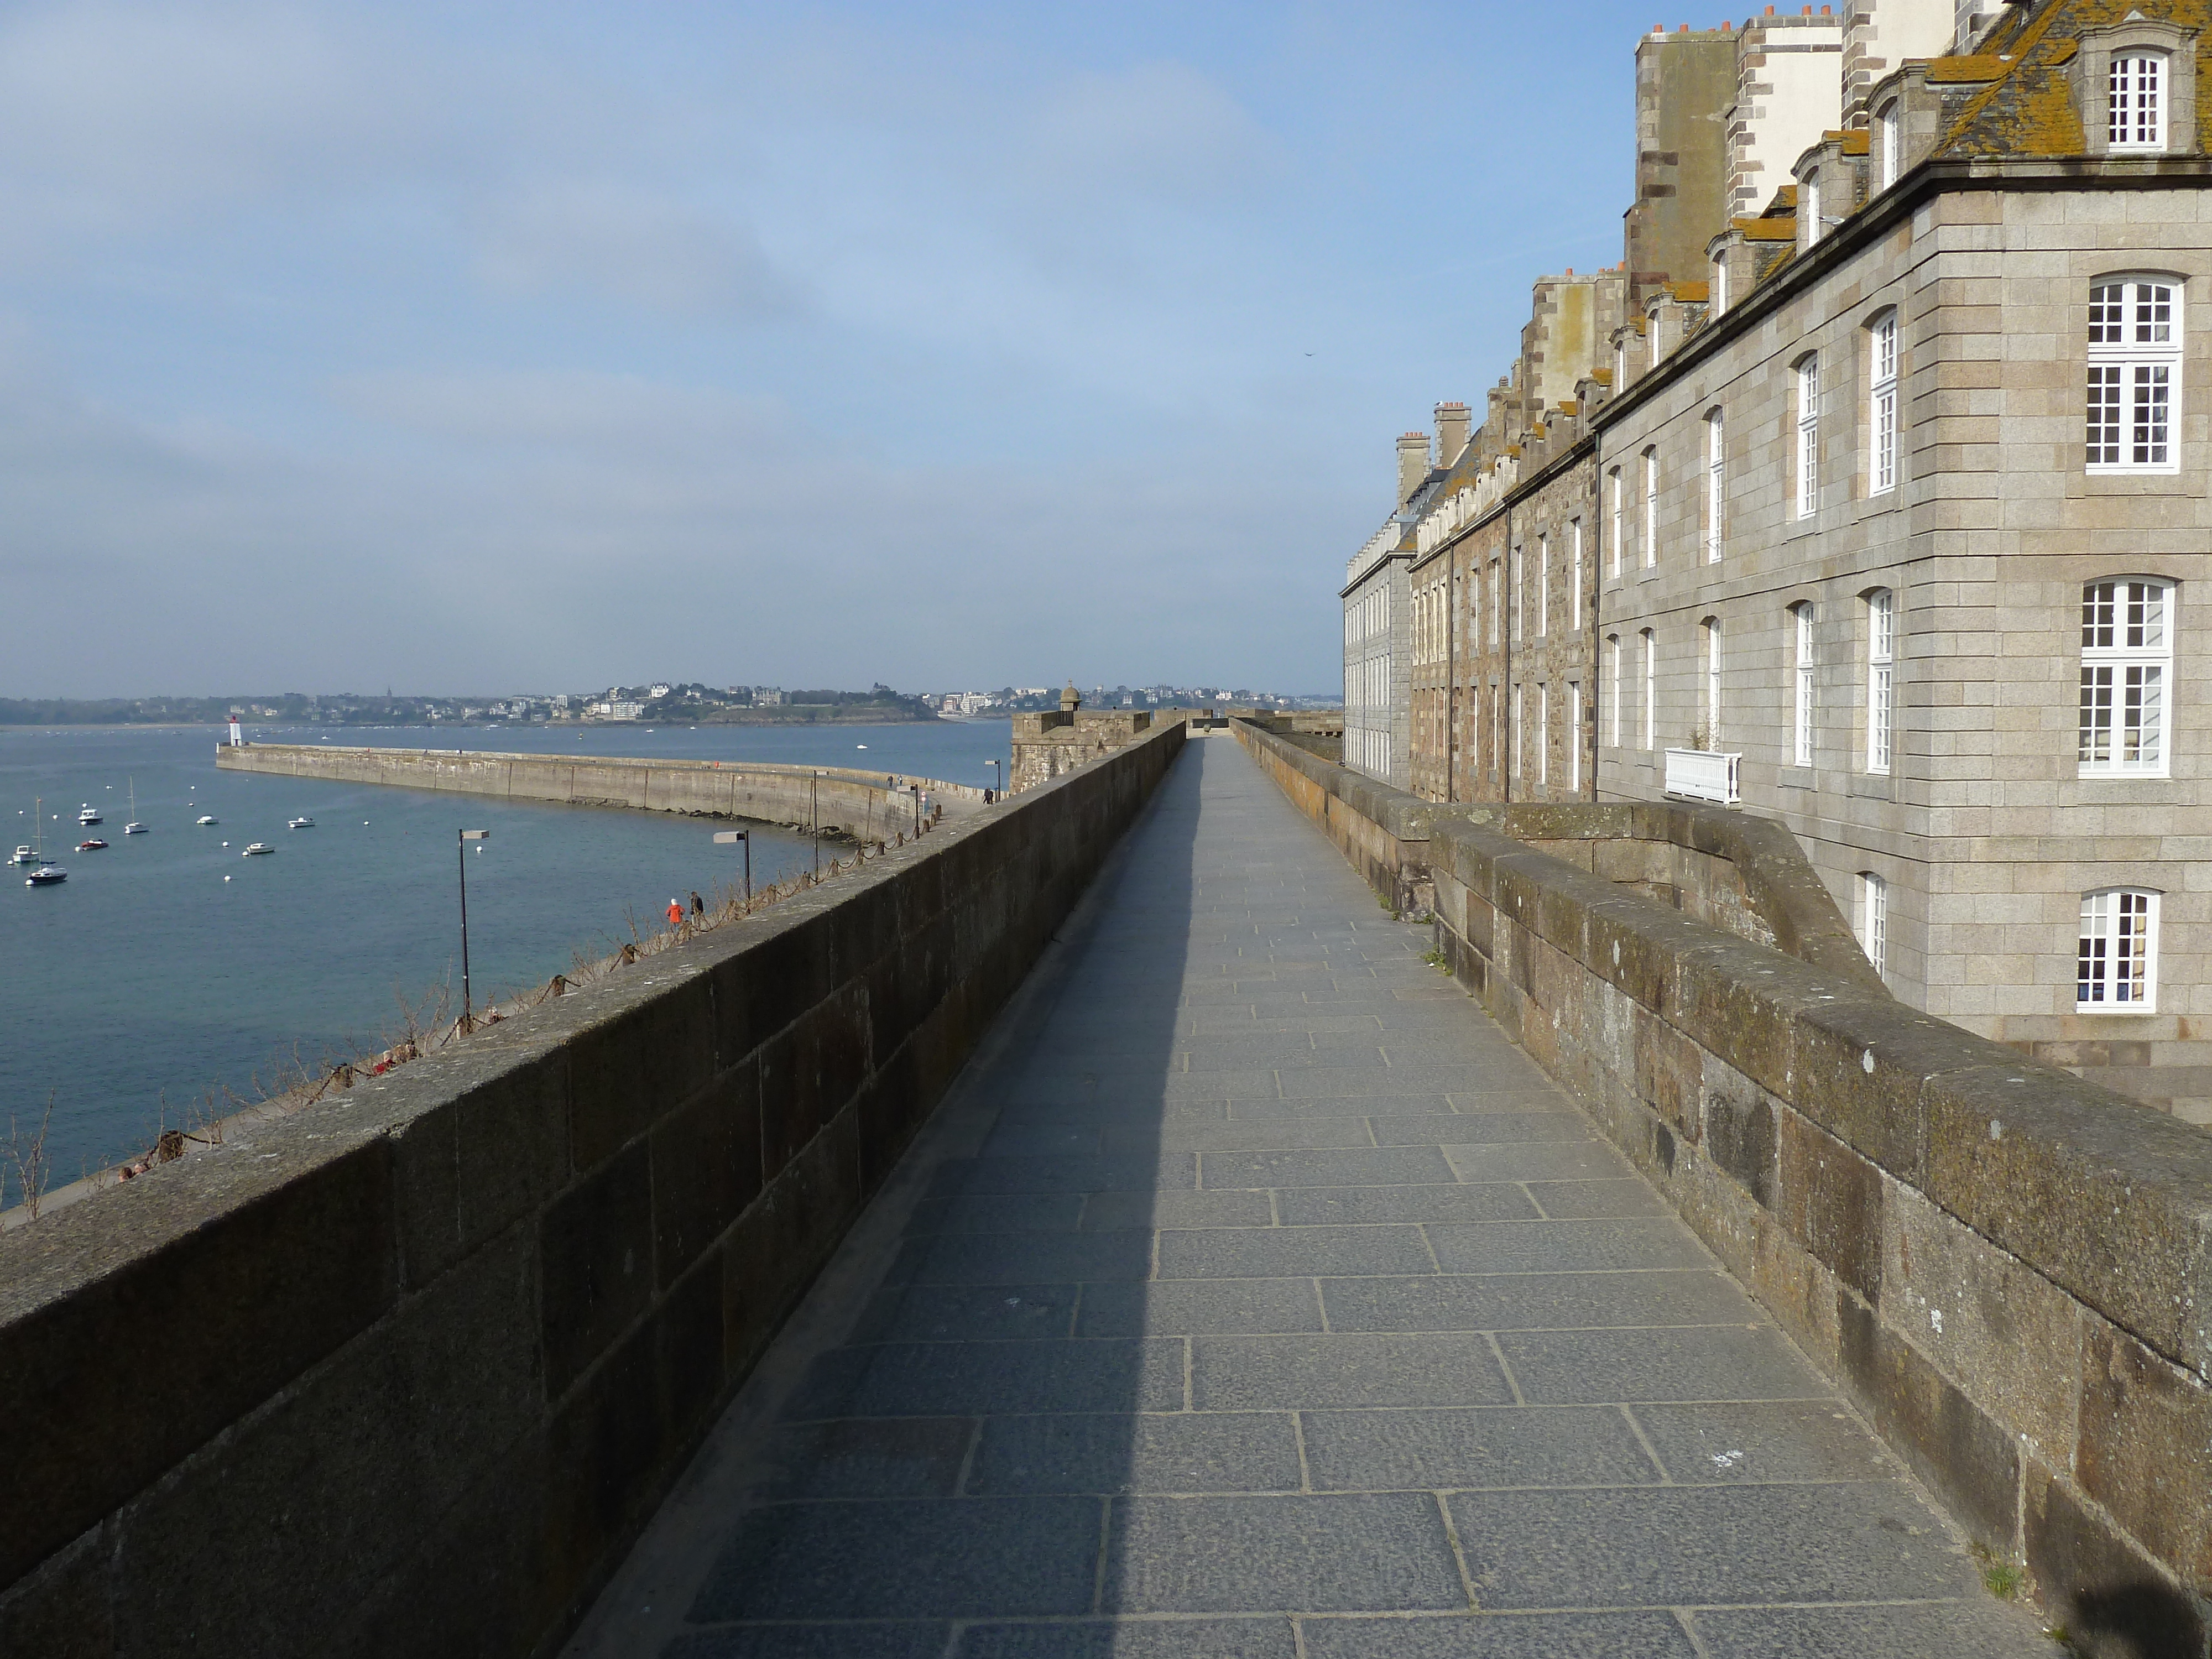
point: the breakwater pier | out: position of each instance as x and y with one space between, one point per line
839 800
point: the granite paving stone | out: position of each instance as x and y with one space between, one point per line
1522 1302
1672 1546
1237 1554
1182 1452
1318 1207
1201 1307
1280 1252
1502 1636
1254 1297
1521 1247
1436 1449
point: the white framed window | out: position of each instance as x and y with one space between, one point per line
2134 115
1575 575
2127 663
1575 737
1613 689
1881 677
1520 734
1543 733
1712 632
1881 405
2116 959
1809 435
1621 363
1497 602
1651 508
1612 480
1873 920
1801 685
2135 375
1889 145
1808 209
1720 295
1651 686
1520 587
1716 485
1543 586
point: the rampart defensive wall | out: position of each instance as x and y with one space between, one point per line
858 804
2009 1269
406 1376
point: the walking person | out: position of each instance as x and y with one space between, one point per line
675 912
698 907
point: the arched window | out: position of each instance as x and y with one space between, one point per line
1881 405
1651 686
2116 960
2135 374
1711 630
1716 485
1650 507
1890 155
2127 661
1808 434
1881 686
1613 734
1873 920
1801 685
1613 483
2135 115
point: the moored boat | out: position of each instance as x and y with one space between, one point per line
46 875
88 814
301 824
22 856
205 818
92 845
252 847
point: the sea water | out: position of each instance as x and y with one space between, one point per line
147 983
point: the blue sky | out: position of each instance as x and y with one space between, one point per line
504 347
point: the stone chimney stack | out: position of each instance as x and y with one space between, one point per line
1452 425
1412 464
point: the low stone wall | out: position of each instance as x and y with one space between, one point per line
850 802
406 1374
2009 1269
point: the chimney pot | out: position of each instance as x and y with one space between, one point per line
1412 464
1453 427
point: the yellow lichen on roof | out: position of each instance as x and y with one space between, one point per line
1856 142
1690 294
1961 72
2028 111
1768 230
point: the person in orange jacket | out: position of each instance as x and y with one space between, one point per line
675 914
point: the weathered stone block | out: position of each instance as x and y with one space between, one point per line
705 1168
2146 1448
1830 1199
2114 1601
626 1069
595 1251
160 1323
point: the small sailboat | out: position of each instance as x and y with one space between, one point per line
46 875
134 828
205 818
255 848
301 824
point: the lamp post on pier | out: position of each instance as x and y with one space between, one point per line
461 849
814 812
998 771
724 837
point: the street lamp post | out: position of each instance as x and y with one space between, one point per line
724 837
916 789
998 771
814 812
461 849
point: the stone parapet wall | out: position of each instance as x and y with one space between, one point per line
406 1374
2007 1268
852 803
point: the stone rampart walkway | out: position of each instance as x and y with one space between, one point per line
1261 1299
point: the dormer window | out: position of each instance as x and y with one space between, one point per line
1809 209
1720 295
2135 114
1889 142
